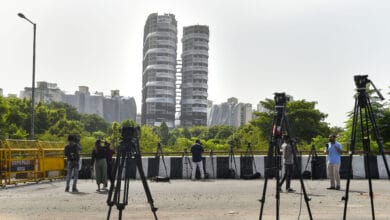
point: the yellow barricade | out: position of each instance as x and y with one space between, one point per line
30 161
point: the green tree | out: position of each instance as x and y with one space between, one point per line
93 123
4 112
148 139
304 120
163 133
70 111
186 133
65 127
115 135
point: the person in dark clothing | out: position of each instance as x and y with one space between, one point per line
72 153
196 151
110 161
99 155
286 150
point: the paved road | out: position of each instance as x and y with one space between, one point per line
195 200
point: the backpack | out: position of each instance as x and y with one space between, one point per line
72 152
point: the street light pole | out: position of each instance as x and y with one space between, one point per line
33 78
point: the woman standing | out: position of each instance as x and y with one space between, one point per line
99 155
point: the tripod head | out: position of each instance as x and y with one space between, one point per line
281 99
361 82
130 140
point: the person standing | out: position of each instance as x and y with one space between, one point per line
333 150
72 153
287 151
99 155
110 162
196 151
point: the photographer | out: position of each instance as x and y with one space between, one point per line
99 155
333 150
196 151
287 151
72 154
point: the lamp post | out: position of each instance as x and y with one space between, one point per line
33 78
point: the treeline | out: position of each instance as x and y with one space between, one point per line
54 121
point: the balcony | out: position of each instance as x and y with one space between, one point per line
195 68
194 85
161 83
195 52
159 67
195 35
160 100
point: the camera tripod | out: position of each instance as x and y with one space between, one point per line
212 162
128 149
279 125
232 161
159 153
312 159
249 154
364 115
187 163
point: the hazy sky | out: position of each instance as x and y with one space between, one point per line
308 49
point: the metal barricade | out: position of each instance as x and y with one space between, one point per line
51 160
30 161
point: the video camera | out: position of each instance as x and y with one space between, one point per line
281 98
361 81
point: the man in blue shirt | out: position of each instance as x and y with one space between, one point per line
196 151
333 150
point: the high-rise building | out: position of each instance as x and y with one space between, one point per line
194 87
230 113
44 92
159 70
118 108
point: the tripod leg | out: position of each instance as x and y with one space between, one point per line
277 194
145 184
378 138
306 197
370 185
351 152
366 144
165 166
262 200
267 169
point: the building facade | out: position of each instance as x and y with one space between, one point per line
230 113
159 70
44 92
195 43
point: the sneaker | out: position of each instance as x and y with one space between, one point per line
75 190
104 188
337 188
332 187
67 189
290 190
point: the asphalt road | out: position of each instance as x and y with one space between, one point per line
184 199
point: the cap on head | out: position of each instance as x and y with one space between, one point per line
197 141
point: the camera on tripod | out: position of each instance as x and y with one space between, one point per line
130 136
281 98
361 81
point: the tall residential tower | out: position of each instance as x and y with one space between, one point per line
195 56
159 70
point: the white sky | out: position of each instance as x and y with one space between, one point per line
308 49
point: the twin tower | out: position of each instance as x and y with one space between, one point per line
171 86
